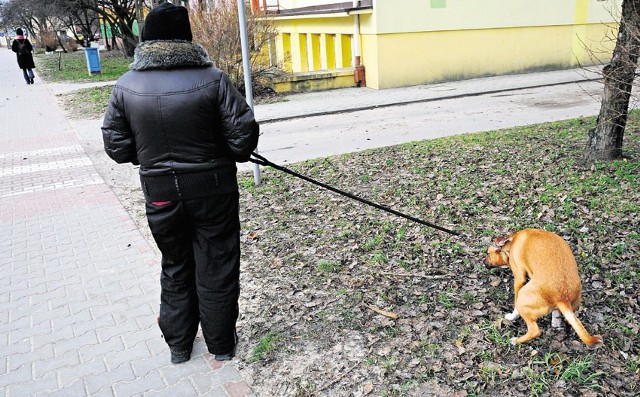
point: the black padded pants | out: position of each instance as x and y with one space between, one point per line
200 280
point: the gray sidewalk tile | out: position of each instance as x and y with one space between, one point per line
75 389
47 382
77 342
72 321
144 367
68 375
115 359
172 374
134 337
81 283
39 341
204 383
44 366
115 329
20 375
95 383
182 388
17 360
113 345
151 381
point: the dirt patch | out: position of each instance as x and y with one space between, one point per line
315 265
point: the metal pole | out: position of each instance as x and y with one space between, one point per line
140 17
356 35
247 74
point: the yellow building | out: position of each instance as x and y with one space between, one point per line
410 42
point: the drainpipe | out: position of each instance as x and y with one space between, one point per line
358 67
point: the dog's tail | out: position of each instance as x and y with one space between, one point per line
567 312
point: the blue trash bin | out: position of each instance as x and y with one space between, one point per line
93 60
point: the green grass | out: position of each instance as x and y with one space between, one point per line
484 185
543 373
72 66
328 266
266 346
87 103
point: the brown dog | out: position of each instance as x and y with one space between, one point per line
545 279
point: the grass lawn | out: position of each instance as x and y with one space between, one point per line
72 66
315 262
86 103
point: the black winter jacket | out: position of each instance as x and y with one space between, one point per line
182 120
25 61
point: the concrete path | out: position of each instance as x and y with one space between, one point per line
80 286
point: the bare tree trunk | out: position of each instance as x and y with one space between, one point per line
604 142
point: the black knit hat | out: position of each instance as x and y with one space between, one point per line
167 22
19 32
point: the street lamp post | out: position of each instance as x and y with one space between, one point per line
140 17
247 73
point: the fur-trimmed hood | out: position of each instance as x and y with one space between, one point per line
169 54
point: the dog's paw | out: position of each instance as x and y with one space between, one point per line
513 341
512 316
556 319
597 342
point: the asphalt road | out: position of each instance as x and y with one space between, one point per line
311 137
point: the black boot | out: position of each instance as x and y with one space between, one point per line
231 354
180 355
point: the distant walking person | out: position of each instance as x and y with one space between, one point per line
22 46
186 125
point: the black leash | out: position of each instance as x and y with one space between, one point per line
263 161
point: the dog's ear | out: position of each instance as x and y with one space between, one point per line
501 241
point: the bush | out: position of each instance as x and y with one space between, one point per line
72 45
218 32
49 41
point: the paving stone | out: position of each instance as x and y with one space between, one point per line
68 375
95 383
182 388
80 282
238 389
133 338
157 345
151 381
41 328
20 375
204 382
143 367
47 383
75 389
69 359
17 360
115 359
174 373
16 347
86 323
89 352
71 321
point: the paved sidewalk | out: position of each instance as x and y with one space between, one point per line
80 288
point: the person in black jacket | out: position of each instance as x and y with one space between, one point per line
186 125
23 48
